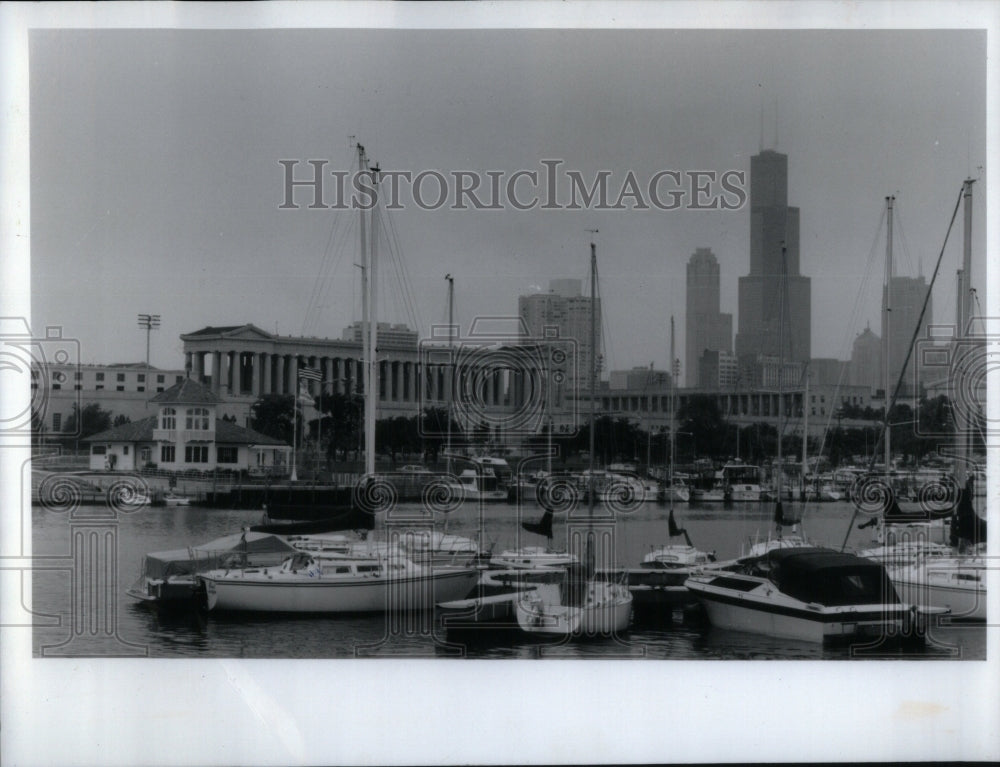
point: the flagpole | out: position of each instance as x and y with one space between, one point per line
295 427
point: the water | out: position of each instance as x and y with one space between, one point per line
680 635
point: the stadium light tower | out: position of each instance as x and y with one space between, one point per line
150 322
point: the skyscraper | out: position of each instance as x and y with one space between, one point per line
567 309
865 366
762 307
705 327
906 298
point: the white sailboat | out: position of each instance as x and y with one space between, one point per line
330 575
581 604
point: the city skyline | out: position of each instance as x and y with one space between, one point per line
178 212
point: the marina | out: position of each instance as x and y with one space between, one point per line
657 630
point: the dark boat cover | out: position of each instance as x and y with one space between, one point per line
829 577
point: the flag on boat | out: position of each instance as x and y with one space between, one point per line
672 526
310 374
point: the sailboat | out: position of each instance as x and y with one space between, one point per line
582 604
324 576
674 556
955 579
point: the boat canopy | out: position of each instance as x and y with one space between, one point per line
829 577
162 564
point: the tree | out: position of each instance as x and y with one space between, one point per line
700 416
92 419
339 423
272 415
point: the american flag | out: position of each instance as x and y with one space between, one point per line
310 374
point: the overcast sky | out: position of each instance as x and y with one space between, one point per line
156 182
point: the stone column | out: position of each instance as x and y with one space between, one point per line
328 374
237 373
199 366
267 362
224 372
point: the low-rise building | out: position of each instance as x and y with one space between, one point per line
186 434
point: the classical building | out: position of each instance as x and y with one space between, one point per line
705 327
185 433
241 363
565 310
650 408
764 315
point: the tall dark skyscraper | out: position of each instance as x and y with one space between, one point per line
773 222
705 327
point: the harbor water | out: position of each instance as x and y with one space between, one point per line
127 628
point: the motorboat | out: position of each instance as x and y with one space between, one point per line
170 499
304 583
478 485
578 606
957 583
742 480
169 577
808 594
676 557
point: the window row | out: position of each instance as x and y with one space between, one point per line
195 418
199 454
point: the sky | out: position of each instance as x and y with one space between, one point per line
156 183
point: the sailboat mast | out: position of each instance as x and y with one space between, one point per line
805 432
449 389
363 238
781 366
964 322
887 319
589 560
371 375
673 428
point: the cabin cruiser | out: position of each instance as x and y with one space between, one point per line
808 594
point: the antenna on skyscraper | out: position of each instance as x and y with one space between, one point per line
776 125
760 147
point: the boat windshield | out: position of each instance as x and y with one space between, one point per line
838 586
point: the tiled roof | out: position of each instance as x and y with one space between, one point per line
226 433
137 431
229 433
187 392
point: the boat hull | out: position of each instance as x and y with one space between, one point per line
373 594
807 623
958 586
608 614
